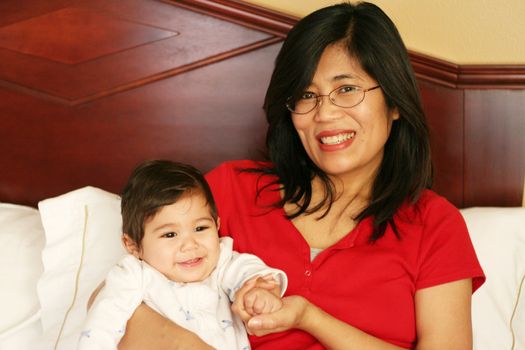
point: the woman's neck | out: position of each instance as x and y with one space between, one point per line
350 197
347 188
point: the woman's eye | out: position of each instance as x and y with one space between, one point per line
308 95
169 235
348 89
201 228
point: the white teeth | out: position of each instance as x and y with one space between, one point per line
337 139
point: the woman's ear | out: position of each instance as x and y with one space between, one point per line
394 113
130 245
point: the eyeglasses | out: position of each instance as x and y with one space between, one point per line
345 96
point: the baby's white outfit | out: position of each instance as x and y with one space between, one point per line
202 307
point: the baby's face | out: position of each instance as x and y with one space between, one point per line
182 240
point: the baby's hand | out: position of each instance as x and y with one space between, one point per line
243 299
260 301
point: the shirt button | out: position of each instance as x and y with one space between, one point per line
308 273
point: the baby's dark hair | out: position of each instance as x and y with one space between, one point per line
155 184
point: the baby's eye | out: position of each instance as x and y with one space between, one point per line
307 95
169 235
201 228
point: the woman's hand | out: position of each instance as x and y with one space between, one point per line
292 314
297 312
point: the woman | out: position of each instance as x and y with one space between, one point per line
375 260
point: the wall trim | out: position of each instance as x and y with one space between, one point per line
426 67
242 13
482 76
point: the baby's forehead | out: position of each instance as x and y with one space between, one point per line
188 202
189 211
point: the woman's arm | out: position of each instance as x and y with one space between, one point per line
443 321
443 316
146 329
149 330
297 312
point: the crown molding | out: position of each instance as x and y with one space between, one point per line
426 68
481 76
242 13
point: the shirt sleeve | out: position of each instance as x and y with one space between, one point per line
107 318
239 268
446 252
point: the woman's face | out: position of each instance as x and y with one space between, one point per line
345 142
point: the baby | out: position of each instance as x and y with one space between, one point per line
177 264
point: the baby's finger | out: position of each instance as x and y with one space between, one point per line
258 306
269 277
249 302
238 309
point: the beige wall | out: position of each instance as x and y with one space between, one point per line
459 31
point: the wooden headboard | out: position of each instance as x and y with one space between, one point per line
89 89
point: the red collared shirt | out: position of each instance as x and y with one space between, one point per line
369 286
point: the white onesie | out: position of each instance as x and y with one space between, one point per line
201 307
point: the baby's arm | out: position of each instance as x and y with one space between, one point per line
250 283
106 320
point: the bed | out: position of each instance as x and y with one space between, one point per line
185 80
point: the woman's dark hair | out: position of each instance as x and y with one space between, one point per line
373 40
155 184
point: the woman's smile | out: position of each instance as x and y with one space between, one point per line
335 140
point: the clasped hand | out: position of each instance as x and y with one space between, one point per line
260 307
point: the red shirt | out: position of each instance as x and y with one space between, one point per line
369 286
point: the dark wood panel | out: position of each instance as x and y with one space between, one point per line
444 109
494 147
130 53
73 35
63 126
202 117
15 11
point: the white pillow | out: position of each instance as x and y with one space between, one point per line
26 336
498 307
21 243
83 240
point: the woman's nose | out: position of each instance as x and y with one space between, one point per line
326 110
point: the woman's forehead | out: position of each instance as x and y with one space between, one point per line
336 64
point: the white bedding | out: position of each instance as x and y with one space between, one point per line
49 270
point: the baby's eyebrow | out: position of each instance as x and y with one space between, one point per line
164 226
204 218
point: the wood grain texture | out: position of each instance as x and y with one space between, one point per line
67 71
446 138
196 97
202 117
73 35
494 147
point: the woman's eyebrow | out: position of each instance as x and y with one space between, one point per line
345 76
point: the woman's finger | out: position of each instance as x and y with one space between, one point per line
287 317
